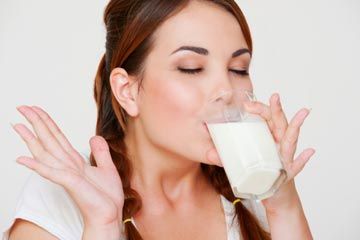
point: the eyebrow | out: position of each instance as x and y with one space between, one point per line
205 52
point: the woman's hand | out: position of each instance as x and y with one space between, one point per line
286 135
97 191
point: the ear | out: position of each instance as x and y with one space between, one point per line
124 90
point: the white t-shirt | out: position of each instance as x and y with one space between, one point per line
49 206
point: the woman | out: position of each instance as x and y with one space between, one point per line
154 171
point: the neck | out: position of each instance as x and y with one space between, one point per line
162 178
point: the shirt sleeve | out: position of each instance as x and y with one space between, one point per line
49 206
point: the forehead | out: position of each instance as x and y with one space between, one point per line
202 24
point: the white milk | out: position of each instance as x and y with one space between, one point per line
248 153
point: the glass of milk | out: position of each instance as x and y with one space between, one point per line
246 147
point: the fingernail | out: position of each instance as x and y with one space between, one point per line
302 116
20 108
13 127
20 160
277 98
37 109
311 153
306 113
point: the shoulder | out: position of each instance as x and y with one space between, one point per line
44 205
23 229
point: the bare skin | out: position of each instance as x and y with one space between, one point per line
177 199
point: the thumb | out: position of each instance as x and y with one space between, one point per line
101 151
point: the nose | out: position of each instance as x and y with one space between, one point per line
223 92
224 96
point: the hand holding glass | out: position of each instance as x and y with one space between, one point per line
246 147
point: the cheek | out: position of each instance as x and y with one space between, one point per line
170 116
243 83
175 102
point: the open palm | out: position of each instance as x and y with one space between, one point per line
97 190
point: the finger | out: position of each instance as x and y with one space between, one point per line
300 162
47 139
100 149
58 134
278 117
259 108
262 110
289 141
37 166
35 146
59 176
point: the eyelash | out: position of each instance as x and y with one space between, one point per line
198 70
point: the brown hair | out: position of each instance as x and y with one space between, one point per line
129 25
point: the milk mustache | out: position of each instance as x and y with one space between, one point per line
249 155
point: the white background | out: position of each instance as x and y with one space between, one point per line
308 51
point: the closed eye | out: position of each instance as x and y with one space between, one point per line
241 72
198 70
190 71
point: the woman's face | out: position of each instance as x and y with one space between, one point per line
172 98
